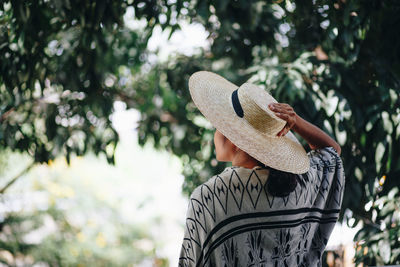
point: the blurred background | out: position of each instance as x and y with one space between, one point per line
100 144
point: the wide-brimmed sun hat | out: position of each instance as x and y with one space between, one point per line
241 114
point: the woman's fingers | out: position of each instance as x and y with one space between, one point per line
289 124
281 105
284 131
281 109
285 112
281 132
283 116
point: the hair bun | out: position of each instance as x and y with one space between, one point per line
281 184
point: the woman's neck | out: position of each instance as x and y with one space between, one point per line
242 159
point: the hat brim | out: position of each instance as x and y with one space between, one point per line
211 93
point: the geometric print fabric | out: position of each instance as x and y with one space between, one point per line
232 220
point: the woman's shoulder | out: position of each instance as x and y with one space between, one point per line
328 150
324 156
325 163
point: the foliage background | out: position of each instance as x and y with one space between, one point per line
64 64
90 213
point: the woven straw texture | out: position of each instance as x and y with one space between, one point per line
255 133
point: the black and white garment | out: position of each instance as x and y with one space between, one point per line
232 220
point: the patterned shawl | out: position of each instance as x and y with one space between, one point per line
232 220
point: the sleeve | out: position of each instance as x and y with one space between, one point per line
327 178
191 248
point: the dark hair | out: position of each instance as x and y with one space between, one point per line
280 183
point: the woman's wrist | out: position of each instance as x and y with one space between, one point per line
297 127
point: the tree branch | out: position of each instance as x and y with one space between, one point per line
13 180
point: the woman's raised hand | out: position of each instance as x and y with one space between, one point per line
285 112
315 137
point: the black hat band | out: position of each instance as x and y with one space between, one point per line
236 104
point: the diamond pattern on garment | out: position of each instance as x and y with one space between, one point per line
270 198
337 189
237 188
183 262
221 192
286 199
199 213
312 192
188 249
324 188
207 198
298 192
193 231
254 188
336 197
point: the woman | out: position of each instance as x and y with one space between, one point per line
276 205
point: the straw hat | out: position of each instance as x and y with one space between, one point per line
242 115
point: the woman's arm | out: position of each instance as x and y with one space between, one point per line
315 137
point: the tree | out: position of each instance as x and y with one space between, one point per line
337 63
70 216
58 76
